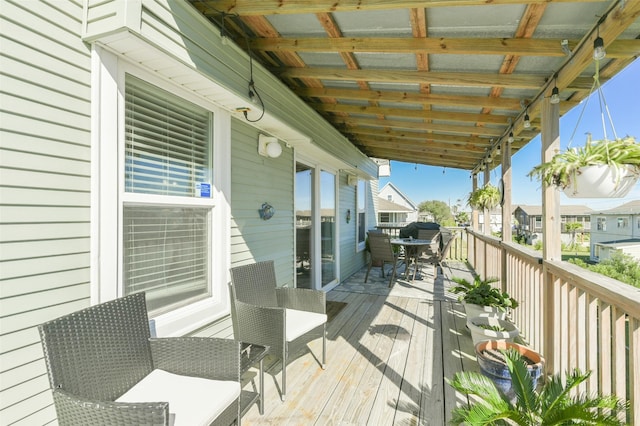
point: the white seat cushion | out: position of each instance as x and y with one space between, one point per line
192 400
301 322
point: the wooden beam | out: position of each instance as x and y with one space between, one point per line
277 7
415 113
471 144
412 98
451 149
456 46
522 81
399 124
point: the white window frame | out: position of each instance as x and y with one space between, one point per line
107 112
361 245
601 223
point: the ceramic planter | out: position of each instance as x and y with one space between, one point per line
496 369
480 334
601 181
473 310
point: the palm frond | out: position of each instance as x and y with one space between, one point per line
573 379
521 381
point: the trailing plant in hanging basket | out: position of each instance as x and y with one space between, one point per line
617 163
485 198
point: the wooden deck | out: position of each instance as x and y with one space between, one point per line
388 354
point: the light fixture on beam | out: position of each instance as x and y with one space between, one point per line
527 121
555 95
510 139
598 49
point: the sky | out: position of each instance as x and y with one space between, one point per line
622 95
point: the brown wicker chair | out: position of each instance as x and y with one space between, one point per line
101 356
381 252
267 315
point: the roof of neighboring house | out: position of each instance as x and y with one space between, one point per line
632 207
630 242
395 188
568 210
386 206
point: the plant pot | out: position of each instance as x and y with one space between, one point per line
480 334
601 181
496 369
473 310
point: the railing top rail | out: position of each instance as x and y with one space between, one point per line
530 255
609 290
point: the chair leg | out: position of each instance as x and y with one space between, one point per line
393 274
284 377
368 269
324 346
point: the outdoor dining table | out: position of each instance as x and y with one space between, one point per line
412 249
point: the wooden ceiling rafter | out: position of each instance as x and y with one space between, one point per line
402 115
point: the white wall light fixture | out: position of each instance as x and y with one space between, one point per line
269 146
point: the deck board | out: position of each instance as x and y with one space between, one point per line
388 354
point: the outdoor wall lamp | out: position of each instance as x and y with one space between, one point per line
269 146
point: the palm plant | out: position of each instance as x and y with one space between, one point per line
552 405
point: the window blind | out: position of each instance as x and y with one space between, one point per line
166 141
166 253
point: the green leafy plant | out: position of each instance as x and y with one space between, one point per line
554 404
485 198
480 292
491 327
563 167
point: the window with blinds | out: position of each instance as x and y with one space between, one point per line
166 142
167 153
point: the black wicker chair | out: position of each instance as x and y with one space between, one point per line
101 356
266 315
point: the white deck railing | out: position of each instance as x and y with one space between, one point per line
574 317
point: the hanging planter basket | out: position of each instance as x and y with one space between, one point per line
602 181
601 169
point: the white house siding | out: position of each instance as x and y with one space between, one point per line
44 192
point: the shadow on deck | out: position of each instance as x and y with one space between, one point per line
388 354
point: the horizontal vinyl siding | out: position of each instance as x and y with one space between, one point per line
45 182
255 180
350 259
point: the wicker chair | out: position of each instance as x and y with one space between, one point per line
436 257
265 314
381 252
105 369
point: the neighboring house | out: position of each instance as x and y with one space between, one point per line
127 160
392 194
392 214
529 220
616 230
495 221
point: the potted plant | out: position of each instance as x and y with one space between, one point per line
485 198
490 355
558 402
481 298
485 328
600 169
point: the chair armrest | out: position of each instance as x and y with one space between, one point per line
302 299
261 325
206 357
72 410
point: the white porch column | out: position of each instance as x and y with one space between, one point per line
475 221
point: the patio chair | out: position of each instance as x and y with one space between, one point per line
430 234
381 252
105 369
436 257
265 314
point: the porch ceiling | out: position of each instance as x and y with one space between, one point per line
435 82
